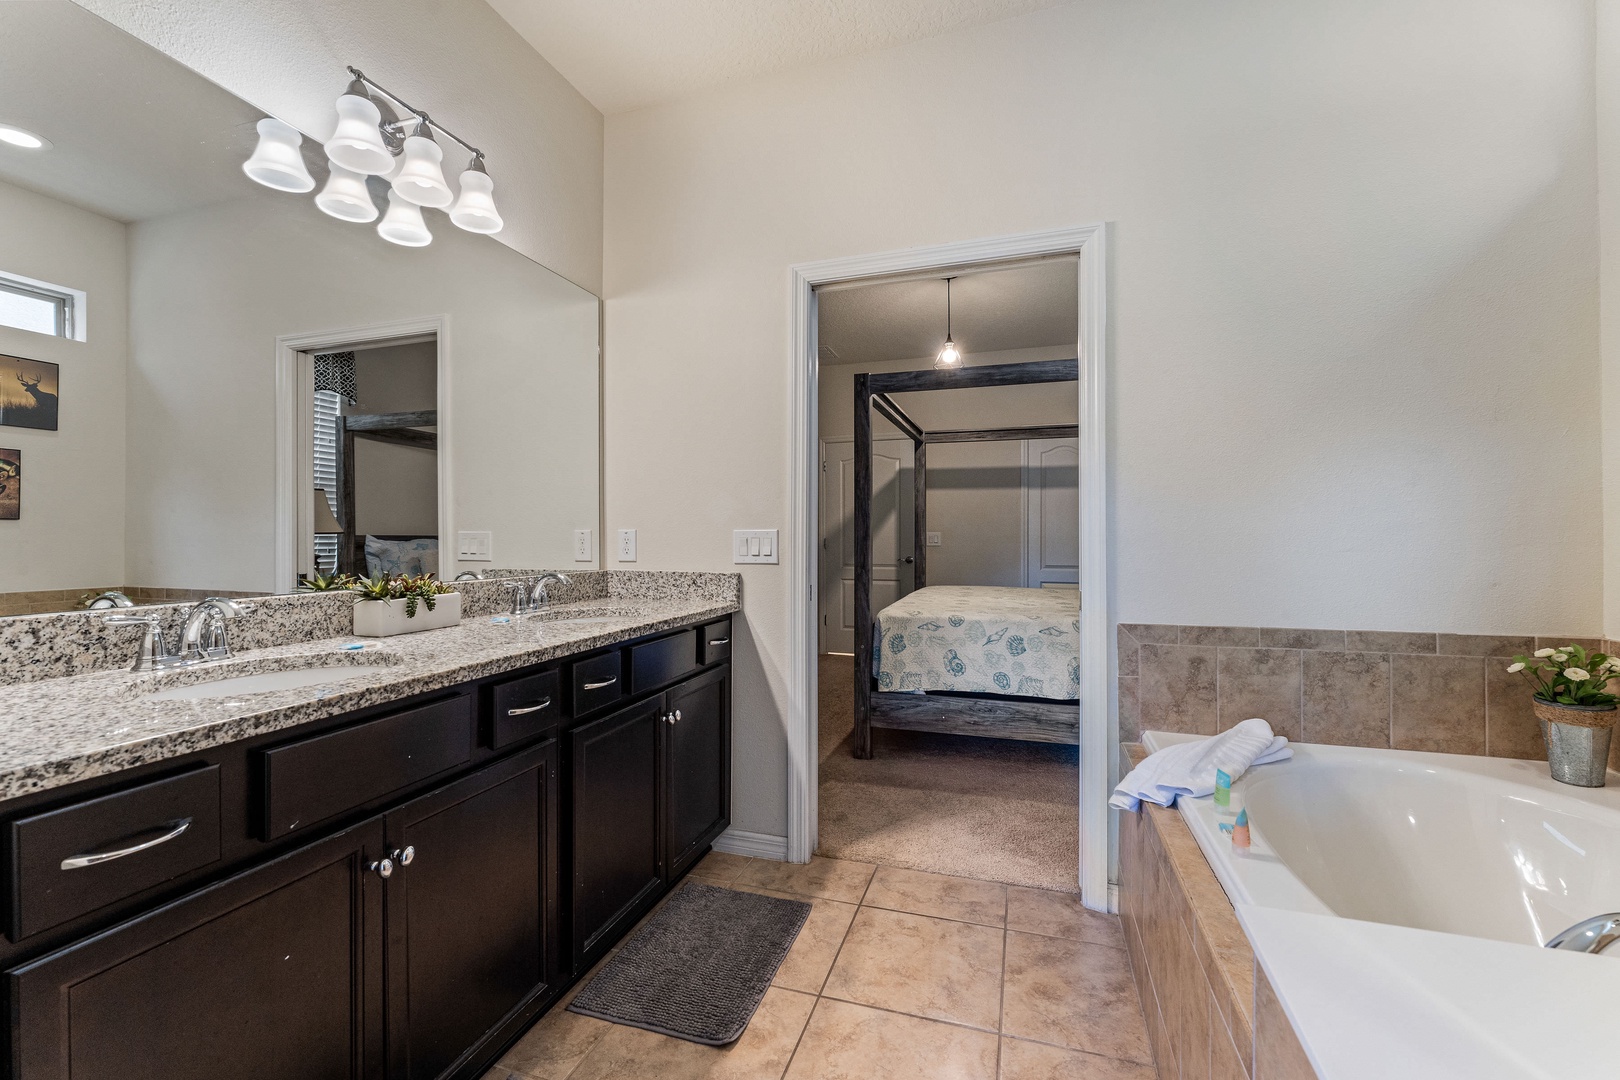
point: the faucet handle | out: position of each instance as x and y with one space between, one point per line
154 650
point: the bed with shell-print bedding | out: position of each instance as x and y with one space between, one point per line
977 639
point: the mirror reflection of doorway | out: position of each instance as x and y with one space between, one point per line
375 459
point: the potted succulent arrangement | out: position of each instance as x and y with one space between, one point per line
1576 711
385 606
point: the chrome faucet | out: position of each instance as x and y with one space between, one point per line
154 654
112 598
538 600
203 636
520 596
1589 935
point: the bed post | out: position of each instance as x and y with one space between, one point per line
346 563
863 567
919 539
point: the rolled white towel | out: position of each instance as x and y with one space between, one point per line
1189 768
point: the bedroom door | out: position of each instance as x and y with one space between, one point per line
1052 494
892 480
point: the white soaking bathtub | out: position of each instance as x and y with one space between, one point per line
1399 901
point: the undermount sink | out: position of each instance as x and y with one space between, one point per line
197 685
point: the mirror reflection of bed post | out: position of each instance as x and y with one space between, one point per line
1019 712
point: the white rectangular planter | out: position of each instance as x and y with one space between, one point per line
385 618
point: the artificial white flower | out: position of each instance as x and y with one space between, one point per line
1543 653
1577 674
1515 667
1560 657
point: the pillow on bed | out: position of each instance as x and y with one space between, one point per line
393 557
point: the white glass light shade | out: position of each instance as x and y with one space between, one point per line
346 197
475 207
403 223
949 357
421 179
357 144
277 161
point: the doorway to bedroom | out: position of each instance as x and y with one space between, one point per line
374 457
948 657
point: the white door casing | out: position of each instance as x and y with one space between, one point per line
1099 743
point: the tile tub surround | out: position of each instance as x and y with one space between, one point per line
1210 1013
1448 693
63 644
57 731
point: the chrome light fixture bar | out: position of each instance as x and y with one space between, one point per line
371 139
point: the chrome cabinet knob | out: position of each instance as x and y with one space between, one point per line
677 716
406 857
383 868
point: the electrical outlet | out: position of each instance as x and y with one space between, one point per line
584 550
627 545
475 547
754 546
933 539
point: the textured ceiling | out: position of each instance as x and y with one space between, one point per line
1020 307
626 54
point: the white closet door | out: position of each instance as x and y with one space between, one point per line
1052 535
893 523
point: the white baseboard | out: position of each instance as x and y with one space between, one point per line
754 844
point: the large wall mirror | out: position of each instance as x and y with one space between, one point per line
210 387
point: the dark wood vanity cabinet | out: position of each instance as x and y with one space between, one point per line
410 939
273 973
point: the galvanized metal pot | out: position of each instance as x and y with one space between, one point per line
1577 738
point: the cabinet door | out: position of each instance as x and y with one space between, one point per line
697 766
471 910
617 864
274 974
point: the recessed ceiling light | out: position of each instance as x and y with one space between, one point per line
16 136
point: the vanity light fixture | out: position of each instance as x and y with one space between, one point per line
403 224
950 356
371 140
278 161
346 196
23 138
421 178
475 209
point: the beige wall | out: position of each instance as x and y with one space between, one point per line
1353 301
457 59
397 487
71 531
1608 154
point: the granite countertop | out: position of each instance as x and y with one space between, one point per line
58 731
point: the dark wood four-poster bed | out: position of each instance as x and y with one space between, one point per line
398 429
961 660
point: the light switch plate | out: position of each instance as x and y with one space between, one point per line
627 545
933 539
755 546
475 546
584 550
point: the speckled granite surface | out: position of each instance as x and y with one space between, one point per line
55 731
64 644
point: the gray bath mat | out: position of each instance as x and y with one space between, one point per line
699 967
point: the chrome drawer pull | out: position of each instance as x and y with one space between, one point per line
599 685
174 829
546 704
720 641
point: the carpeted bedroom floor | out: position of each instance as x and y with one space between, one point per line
992 809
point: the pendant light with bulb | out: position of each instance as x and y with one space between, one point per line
950 357
370 140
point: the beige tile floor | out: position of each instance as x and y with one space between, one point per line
896 974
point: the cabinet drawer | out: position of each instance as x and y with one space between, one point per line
596 682
523 708
317 778
714 642
75 859
662 661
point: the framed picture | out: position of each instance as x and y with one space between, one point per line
10 484
28 393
